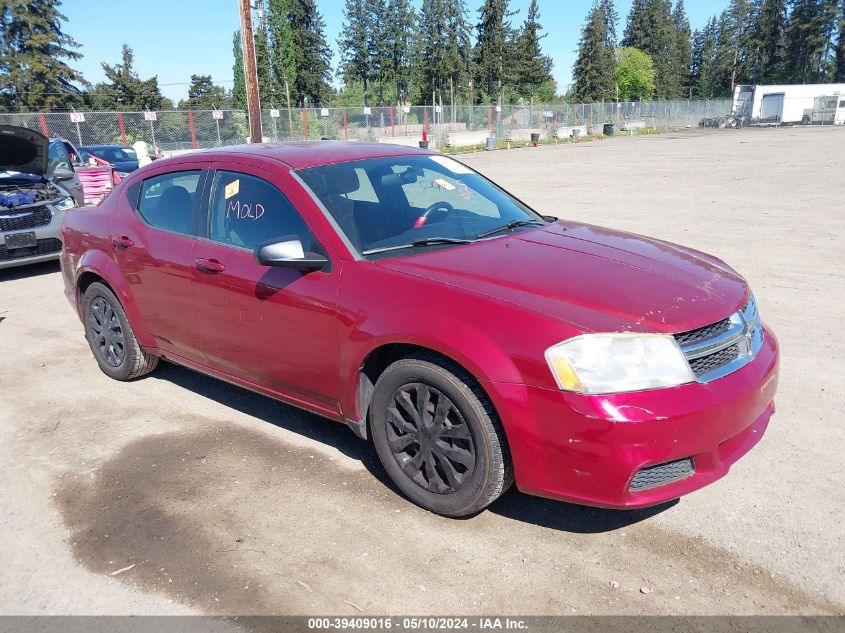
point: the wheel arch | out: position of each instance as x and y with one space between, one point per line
380 357
96 266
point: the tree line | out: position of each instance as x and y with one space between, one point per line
750 42
392 53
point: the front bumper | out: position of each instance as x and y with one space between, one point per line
588 449
49 244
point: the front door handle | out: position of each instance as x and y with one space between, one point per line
121 241
210 266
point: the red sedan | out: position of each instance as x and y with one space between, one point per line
474 340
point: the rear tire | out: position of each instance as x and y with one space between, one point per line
438 437
110 336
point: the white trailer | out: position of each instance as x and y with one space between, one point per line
781 104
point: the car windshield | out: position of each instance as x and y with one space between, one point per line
114 154
387 205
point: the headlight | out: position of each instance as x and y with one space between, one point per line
63 204
613 363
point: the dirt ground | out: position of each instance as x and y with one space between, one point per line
226 502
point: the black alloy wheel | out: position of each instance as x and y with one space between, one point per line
108 340
429 438
438 436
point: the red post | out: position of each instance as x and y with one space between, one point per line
122 128
513 115
345 126
392 122
425 124
42 122
489 118
304 123
191 127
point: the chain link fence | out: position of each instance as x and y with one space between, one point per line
177 130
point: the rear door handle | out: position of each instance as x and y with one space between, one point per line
210 266
121 241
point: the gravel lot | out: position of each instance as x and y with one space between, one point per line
227 502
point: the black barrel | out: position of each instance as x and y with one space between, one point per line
535 138
608 129
423 144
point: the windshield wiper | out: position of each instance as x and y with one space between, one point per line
507 227
417 244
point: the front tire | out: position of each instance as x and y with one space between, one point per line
110 336
438 437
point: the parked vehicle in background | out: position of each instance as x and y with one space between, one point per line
123 159
399 291
828 110
779 104
33 199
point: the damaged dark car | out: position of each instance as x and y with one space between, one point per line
33 200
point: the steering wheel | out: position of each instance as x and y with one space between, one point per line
437 206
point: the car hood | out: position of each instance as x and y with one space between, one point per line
591 277
23 150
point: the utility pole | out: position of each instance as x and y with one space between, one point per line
253 104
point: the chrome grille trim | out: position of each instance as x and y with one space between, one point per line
744 332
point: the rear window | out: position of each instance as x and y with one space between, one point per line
167 201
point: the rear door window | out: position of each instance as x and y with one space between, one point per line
167 201
247 211
57 158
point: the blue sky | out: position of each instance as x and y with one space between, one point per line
177 38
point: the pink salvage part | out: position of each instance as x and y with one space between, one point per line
96 182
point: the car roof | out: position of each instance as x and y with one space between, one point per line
103 147
304 154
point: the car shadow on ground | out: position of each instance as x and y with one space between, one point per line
31 270
547 513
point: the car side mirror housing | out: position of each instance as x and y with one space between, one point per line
289 253
63 174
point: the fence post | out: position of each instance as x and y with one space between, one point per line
304 123
345 126
191 127
392 121
122 127
42 123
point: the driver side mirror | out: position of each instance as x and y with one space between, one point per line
289 253
62 174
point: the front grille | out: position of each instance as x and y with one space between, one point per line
43 247
703 333
19 220
662 474
716 360
720 348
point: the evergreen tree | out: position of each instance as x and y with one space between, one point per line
312 54
432 65
769 41
459 51
704 53
125 90
239 83
651 29
354 43
280 55
398 26
681 53
34 51
203 94
492 50
268 91
839 57
809 40
594 69
736 46
532 68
